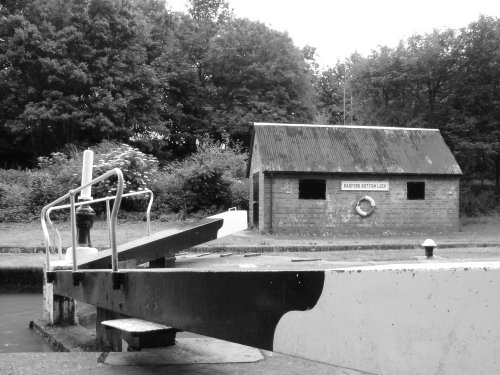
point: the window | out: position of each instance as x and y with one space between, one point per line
415 190
312 189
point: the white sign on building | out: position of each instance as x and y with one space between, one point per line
365 185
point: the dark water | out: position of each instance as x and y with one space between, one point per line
16 311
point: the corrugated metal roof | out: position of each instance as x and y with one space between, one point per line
353 149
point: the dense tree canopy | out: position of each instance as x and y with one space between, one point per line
448 80
79 71
258 75
76 72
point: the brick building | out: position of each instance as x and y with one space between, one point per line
351 179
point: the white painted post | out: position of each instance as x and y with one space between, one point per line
88 163
48 298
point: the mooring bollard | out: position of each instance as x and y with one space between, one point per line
84 222
429 246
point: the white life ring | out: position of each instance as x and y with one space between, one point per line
372 204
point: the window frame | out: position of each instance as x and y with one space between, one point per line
318 191
415 190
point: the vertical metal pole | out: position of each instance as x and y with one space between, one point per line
148 213
352 115
59 241
73 228
46 238
114 214
344 96
108 219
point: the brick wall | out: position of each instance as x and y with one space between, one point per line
337 213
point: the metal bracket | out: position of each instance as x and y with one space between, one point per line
120 280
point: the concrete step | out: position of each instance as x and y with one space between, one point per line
136 326
140 333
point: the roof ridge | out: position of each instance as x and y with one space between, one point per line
346 126
383 127
278 124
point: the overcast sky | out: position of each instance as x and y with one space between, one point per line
338 28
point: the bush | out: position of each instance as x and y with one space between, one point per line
205 188
14 177
24 193
61 172
239 193
139 171
41 191
56 175
208 181
168 193
14 204
477 200
191 189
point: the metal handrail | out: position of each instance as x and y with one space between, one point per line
108 214
113 217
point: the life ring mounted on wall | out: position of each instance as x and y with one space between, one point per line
372 206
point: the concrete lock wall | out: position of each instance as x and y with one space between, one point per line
282 211
402 319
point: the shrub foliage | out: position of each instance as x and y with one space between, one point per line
210 180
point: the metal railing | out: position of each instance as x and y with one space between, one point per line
112 217
108 214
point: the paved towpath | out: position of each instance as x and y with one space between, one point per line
362 250
96 363
21 244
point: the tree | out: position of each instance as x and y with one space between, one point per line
224 73
335 101
80 71
77 72
184 68
474 124
258 75
447 79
